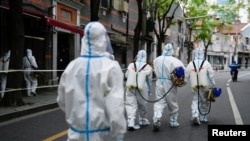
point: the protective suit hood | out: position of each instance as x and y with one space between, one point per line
199 53
168 50
29 52
6 55
141 56
95 40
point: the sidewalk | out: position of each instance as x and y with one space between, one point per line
46 99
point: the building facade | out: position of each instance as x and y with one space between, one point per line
244 47
229 45
54 28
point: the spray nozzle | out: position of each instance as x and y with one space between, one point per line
217 92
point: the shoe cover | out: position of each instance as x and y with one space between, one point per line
156 125
173 121
195 121
143 121
174 124
131 125
204 119
131 122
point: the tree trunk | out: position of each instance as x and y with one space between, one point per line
159 48
138 28
205 52
16 46
189 53
94 10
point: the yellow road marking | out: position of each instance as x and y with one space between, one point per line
56 136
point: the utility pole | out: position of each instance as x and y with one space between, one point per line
236 41
144 12
190 43
127 32
127 25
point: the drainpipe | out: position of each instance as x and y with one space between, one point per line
127 29
143 42
54 47
236 41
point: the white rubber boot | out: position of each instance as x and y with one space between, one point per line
173 121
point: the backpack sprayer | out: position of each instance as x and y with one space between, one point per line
213 93
178 77
136 80
199 79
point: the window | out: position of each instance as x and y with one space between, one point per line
247 41
105 4
120 5
66 15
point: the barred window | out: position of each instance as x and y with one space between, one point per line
247 41
105 4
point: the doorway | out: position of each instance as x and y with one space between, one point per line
65 48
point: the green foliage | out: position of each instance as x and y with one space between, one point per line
163 18
161 7
248 10
206 19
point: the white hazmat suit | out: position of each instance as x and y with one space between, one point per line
163 67
199 101
134 101
91 91
31 81
4 65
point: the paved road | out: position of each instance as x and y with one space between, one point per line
223 112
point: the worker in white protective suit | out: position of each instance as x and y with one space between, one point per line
91 91
164 65
200 105
135 98
29 64
109 51
110 56
4 65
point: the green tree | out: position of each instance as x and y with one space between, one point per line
164 11
205 20
160 10
248 9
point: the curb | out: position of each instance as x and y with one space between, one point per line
17 114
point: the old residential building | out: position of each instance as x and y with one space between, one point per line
53 30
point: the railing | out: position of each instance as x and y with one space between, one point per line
50 82
43 86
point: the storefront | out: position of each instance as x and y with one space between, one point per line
36 36
243 59
54 42
218 60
